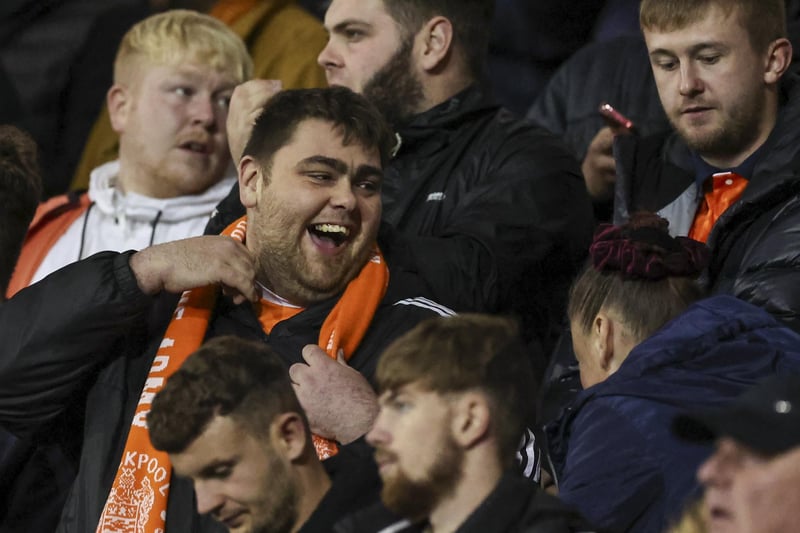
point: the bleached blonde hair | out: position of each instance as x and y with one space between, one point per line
181 35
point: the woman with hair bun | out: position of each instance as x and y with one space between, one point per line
649 347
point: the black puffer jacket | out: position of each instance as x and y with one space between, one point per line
497 207
77 347
755 243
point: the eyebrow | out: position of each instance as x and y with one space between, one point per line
336 164
366 171
387 396
363 171
208 470
693 50
339 27
184 76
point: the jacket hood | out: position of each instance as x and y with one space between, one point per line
720 341
111 201
704 341
708 353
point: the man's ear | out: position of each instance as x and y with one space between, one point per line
603 331
471 418
119 101
435 40
250 181
288 435
778 59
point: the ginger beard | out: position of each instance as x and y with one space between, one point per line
417 498
736 127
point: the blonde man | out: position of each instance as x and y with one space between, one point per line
173 77
727 174
271 29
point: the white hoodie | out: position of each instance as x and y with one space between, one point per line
119 222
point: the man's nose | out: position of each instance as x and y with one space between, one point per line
328 57
378 434
342 195
690 82
204 111
716 470
208 500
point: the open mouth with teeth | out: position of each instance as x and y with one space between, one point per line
196 147
329 236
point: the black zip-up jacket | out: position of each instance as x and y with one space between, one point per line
497 208
754 243
516 505
77 347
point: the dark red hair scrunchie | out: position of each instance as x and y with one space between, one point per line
646 251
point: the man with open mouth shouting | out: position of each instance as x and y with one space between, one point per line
301 272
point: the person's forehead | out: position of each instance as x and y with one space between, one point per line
201 70
322 137
714 26
356 11
417 390
215 443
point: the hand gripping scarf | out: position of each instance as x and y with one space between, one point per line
137 502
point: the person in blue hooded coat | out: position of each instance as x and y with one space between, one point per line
649 347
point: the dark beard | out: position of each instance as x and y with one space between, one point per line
394 89
416 500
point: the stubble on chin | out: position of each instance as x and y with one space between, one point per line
726 137
282 506
304 280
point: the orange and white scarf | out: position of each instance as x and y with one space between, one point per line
137 502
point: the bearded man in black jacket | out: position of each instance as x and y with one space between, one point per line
495 209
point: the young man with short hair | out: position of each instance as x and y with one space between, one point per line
455 396
728 174
231 423
308 279
173 78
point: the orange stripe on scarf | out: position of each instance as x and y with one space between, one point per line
137 502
